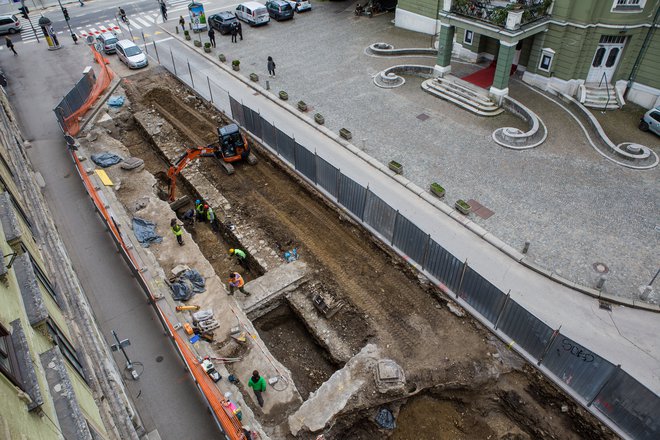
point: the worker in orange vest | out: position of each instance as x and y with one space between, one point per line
236 281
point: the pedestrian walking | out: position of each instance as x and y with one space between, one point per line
271 66
10 45
234 32
210 217
178 232
182 23
236 282
241 256
81 2
163 10
239 29
258 385
212 36
199 210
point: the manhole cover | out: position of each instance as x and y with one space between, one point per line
601 267
159 359
423 117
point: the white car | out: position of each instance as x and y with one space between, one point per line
131 55
300 5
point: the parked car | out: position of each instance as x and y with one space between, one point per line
9 24
130 54
222 22
109 42
279 10
253 13
651 121
300 5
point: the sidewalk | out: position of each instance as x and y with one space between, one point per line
623 336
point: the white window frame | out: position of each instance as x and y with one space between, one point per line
628 6
547 52
465 37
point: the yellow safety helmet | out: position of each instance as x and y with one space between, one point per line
231 251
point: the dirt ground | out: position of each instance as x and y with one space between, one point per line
472 386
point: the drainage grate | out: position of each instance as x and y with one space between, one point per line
423 117
600 267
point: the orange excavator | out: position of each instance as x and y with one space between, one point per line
232 147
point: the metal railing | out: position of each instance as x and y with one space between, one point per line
607 88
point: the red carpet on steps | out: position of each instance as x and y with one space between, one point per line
484 77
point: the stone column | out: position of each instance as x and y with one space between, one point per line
505 56
445 46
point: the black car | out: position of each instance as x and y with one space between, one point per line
279 10
222 22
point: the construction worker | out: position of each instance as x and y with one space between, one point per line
178 232
241 256
199 210
210 217
188 217
236 282
258 385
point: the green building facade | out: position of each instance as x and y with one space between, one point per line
558 43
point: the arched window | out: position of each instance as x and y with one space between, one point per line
611 57
598 58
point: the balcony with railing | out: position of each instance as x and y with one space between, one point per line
501 13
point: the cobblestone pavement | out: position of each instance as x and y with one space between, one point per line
575 207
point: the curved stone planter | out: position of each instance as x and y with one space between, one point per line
388 50
389 78
515 138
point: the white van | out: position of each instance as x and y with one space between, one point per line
252 13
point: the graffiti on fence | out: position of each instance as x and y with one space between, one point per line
576 350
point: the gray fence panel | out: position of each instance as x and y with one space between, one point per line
268 134
527 330
379 215
351 195
256 124
285 146
247 116
306 162
237 111
578 367
631 406
411 240
482 295
443 265
327 176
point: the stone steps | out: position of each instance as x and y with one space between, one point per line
462 96
602 98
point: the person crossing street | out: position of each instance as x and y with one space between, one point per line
178 232
163 10
236 282
241 256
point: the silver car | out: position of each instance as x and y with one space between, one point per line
651 121
9 24
109 42
130 54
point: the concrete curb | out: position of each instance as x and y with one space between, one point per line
443 207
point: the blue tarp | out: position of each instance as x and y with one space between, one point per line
145 232
106 159
188 283
116 101
385 419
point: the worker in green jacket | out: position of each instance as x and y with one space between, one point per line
199 210
258 385
178 232
241 256
210 217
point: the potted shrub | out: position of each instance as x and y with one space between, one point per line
343 132
284 95
462 206
222 57
236 65
437 189
197 43
302 106
395 166
319 118
186 34
254 77
207 47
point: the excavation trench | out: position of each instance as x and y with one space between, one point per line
383 302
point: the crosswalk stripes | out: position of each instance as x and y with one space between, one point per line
108 27
172 4
27 34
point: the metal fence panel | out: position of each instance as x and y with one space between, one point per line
220 97
482 295
247 117
443 265
327 176
631 406
306 162
237 111
411 240
578 367
268 134
285 146
527 330
351 195
256 124
379 215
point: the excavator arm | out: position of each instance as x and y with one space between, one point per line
190 155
